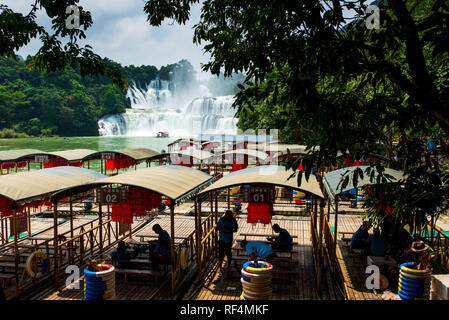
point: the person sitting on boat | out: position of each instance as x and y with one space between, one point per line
258 249
360 237
227 225
121 255
377 244
161 252
283 242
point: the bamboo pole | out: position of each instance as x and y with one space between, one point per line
55 240
71 217
100 222
200 232
16 250
109 224
336 223
198 237
29 222
172 231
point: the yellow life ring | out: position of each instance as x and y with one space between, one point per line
248 266
183 259
416 272
30 262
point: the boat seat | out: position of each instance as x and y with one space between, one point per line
155 273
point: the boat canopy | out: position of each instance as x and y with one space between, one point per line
137 154
273 175
74 155
13 155
260 155
283 148
331 180
178 183
24 187
194 153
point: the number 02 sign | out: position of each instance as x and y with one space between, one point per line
112 195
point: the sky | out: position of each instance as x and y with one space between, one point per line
120 32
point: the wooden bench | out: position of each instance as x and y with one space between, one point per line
346 238
11 265
154 236
275 259
155 273
6 277
263 235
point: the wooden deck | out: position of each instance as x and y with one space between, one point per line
124 291
302 286
353 274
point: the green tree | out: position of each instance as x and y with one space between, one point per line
316 65
17 30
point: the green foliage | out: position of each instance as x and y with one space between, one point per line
317 73
17 30
63 102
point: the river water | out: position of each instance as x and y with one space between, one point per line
93 143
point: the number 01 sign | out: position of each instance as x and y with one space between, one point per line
258 194
112 195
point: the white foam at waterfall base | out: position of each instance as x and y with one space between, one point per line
154 109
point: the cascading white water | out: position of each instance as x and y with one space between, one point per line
156 108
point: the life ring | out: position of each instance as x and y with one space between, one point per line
404 267
30 262
183 259
403 274
259 278
262 267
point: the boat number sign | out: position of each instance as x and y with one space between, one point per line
258 195
112 195
108 156
41 159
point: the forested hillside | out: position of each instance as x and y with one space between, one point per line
61 103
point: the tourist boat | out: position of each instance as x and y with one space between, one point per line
126 206
162 135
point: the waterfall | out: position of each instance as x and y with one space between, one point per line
156 108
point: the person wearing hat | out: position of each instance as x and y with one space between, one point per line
227 225
419 247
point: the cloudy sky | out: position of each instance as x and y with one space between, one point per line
120 32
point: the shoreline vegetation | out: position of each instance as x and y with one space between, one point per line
63 103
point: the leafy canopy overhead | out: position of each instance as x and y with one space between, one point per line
60 47
320 75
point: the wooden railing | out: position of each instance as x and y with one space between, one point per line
90 242
329 241
5 230
440 243
209 240
316 249
190 254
